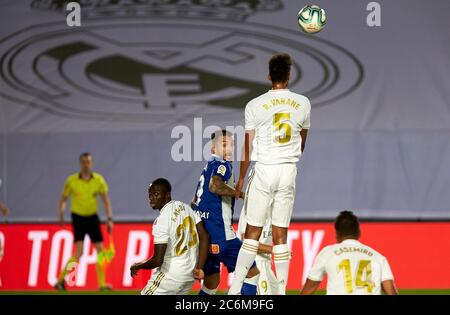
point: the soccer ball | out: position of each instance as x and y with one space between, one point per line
311 19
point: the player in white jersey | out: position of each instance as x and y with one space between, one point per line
352 267
277 122
180 244
267 282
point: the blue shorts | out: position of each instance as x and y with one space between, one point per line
228 252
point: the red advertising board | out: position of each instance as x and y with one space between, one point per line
419 254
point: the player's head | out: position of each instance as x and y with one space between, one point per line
280 68
159 193
86 162
347 226
222 144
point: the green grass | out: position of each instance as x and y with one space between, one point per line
132 292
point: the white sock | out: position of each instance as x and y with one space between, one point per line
281 260
253 280
246 257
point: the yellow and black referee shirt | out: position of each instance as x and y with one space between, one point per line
84 193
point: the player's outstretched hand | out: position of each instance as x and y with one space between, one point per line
134 270
199 274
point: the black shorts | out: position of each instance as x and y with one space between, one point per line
86 225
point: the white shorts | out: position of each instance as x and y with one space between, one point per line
271 183
267 283
161 284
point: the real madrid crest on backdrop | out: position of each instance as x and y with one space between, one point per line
156 60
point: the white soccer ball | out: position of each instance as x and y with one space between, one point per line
311 19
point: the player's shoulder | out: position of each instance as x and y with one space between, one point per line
183 209
302 99
183 205
373 252
327 250
177 206
166 212
257 100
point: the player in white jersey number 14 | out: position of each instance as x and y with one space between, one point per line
180 244
352 267
277 123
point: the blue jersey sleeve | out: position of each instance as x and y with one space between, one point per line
223 170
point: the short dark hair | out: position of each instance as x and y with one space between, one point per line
163 183
347 224
280 67
84 154
223 133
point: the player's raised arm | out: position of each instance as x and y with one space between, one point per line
245 160
218 186
204 239
155 261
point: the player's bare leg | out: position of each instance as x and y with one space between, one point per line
246 257
281 256
210 284
69 265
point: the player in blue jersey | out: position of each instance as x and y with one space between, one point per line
214 202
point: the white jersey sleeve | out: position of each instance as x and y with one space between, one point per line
193 214
161 228
386 273
250 119
307 121
319 266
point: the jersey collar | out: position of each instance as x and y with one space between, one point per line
279 90
216 157
350 241
80 177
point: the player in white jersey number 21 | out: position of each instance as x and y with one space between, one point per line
277 123
180 245
352 267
